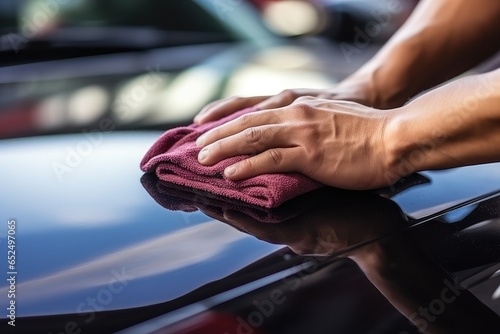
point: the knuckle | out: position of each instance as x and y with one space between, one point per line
303 99
288 95
276 156
253 135
244 119
301 109
247 164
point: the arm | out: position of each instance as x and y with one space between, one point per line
441 39
347 145
434 45
455 125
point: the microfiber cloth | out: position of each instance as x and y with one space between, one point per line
174 158
179 198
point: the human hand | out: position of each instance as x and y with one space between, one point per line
337 143
353 90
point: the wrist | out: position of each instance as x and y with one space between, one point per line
371 92
358 88
393 76
403 155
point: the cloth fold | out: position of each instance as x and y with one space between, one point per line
174 158
178 198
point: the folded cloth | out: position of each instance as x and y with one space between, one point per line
174 158
179 198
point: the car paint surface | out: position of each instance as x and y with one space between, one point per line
88 229
97 252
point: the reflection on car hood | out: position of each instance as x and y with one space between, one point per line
92 238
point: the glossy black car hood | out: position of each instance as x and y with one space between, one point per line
96 224
90 237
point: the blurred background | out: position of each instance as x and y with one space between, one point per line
72 66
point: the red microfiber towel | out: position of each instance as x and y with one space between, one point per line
175 197
174 158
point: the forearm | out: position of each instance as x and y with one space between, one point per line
440 40
455 125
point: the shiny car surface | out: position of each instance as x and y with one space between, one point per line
108 248
99 247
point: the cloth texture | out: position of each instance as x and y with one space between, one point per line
174 158
178 198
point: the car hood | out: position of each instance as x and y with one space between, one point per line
91 237
91 222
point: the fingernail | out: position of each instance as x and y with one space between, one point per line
229 171
203 155
200 141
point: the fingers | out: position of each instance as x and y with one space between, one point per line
237 125
222 108
256 133
250 141
282 99
275 160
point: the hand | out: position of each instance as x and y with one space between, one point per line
337 143
352 90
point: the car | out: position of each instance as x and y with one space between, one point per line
92 245
97 254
